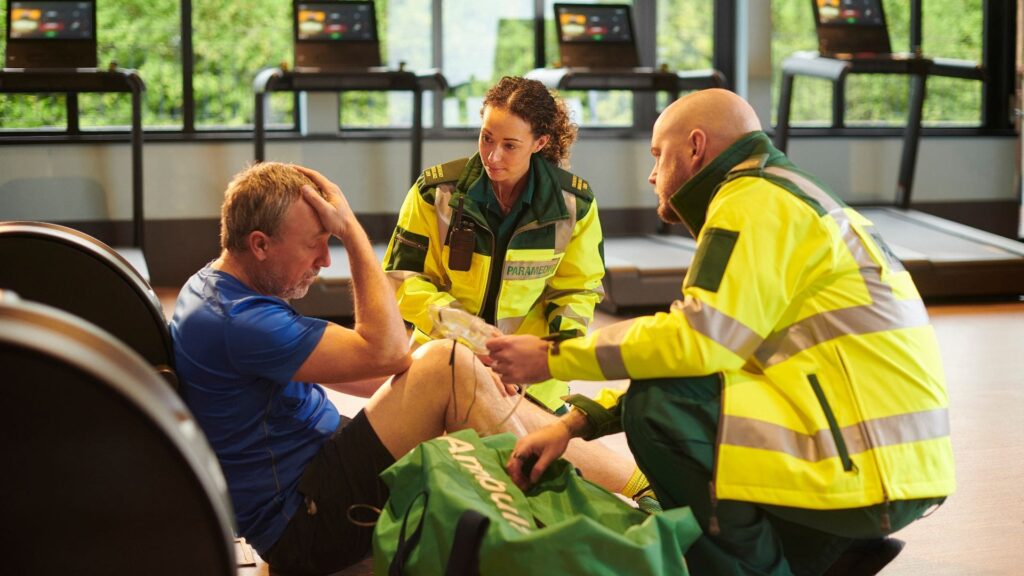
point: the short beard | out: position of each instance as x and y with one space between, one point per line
269 283
667 214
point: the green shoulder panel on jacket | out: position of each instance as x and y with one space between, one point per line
574 184
446 172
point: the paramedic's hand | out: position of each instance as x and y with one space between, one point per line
520 359
506 389
332 208
535 452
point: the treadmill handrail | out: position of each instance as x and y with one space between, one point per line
76 80
376 79
640 78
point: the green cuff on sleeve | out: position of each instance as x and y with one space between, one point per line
602 420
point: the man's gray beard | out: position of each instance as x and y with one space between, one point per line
267 282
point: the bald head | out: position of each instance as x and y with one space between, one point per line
691 133
722 115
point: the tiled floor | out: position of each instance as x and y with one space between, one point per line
980 530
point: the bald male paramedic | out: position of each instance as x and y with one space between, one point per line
794 398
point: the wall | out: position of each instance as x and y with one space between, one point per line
186 180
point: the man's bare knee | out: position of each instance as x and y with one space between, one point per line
434 366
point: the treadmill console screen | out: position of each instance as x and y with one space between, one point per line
335 22
850 12
594 23
50 21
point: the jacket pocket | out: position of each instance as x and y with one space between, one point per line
833 424
409 251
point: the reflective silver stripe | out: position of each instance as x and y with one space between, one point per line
888 431
719 326
568 312
608 349
838 213
510 325
442 197
883 314
551 295
398 277
402 275
814 330
564 228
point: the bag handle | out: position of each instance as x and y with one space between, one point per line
464 559
404 548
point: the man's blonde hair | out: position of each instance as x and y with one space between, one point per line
257 198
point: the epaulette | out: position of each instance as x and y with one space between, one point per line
447 172
575 184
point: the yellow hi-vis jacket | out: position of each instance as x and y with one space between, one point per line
833 394
551 275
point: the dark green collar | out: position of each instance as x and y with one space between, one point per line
751 152
542 193
483 194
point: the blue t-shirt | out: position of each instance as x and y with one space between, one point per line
236 351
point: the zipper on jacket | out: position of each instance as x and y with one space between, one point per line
410 243
885 522
713 528
833 424
487 282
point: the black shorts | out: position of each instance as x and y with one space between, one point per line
341 484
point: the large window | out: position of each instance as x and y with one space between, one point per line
140 34
594 108
232 41
474 44
29 111
404 27
684 39
950 29
482 42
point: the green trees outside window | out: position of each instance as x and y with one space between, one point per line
140 34
951 29
479 42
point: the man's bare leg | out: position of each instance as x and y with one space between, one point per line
423 403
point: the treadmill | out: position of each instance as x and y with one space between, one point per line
56 52
641 271
326 63
946 259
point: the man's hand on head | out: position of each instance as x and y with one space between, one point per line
332 208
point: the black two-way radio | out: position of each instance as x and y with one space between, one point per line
461 241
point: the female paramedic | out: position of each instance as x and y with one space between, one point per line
509 236
506 234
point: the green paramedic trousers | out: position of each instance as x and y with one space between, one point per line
671 424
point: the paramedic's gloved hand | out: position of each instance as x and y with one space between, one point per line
535 452
519 359
335 214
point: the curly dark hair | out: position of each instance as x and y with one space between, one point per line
544 111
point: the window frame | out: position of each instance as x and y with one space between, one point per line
998 39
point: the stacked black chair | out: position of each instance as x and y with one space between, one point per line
67 269
105 471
